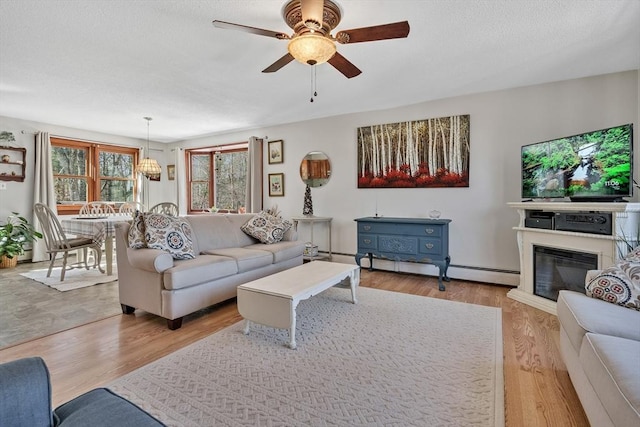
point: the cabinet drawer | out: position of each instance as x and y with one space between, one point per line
401 229
367 241
431 247
398 244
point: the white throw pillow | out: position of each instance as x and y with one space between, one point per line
266 228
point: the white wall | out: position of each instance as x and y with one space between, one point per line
481 234
482 242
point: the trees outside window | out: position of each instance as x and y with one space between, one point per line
86 172
217 177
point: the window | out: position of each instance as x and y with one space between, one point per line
217 177
86 172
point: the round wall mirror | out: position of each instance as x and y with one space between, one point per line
315 169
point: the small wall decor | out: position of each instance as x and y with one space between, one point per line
171 172
307 209
420 154
154 177
275 153
276 185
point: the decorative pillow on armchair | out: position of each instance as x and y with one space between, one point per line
618 284
170 234
266 228
136 232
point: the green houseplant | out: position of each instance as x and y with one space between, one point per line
15 234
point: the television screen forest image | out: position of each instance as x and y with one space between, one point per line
593 163
418 154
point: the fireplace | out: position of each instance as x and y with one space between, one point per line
558 269
563 257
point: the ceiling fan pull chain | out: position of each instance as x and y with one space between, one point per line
315 82
312 85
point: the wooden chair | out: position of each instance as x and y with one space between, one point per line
166 208
97 209
129 208
57 241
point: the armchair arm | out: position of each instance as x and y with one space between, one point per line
153 260
25 393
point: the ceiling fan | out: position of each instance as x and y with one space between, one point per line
312 43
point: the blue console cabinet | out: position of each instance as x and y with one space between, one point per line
406 239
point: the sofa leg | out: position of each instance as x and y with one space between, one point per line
127 309
174 324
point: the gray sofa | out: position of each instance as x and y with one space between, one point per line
151 280
25 401
600 345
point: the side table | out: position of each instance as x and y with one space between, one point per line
311 221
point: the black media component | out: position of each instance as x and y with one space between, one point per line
585 222
539 219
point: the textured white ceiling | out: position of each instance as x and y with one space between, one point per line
102 65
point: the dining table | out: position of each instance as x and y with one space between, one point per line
100 228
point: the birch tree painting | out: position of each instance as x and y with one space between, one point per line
419 154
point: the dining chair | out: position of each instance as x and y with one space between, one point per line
57 241
129 208
166 208
97 208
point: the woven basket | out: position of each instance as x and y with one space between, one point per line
8 262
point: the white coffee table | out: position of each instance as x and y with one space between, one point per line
272 300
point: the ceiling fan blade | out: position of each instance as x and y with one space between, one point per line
312 11
343 65
252 30
396 30
278 64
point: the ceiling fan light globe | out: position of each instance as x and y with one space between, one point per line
312 48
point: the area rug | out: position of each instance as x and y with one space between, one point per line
392 359
74 279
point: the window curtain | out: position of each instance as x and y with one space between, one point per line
142 192
181 181
44 191
253 198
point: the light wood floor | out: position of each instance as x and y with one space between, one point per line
538 391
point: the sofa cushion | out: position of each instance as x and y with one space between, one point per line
136 234
266 228
579 314
282 250
247 259
102 408
618 284
204 268
611 365
213 232
169 233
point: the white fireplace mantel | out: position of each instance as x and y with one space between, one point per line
608 248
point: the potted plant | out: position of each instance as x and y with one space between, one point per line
15 234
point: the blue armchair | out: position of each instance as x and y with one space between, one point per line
25 401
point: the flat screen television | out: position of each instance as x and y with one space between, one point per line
591 166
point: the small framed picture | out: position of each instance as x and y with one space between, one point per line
276 185
154 177
276 155
171 172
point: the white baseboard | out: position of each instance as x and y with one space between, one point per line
495 277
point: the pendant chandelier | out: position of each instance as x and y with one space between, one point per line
148 166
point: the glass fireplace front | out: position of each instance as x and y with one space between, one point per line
558 269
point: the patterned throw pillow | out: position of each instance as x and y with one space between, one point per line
634 255
266 228
618 284
170 234
136 232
